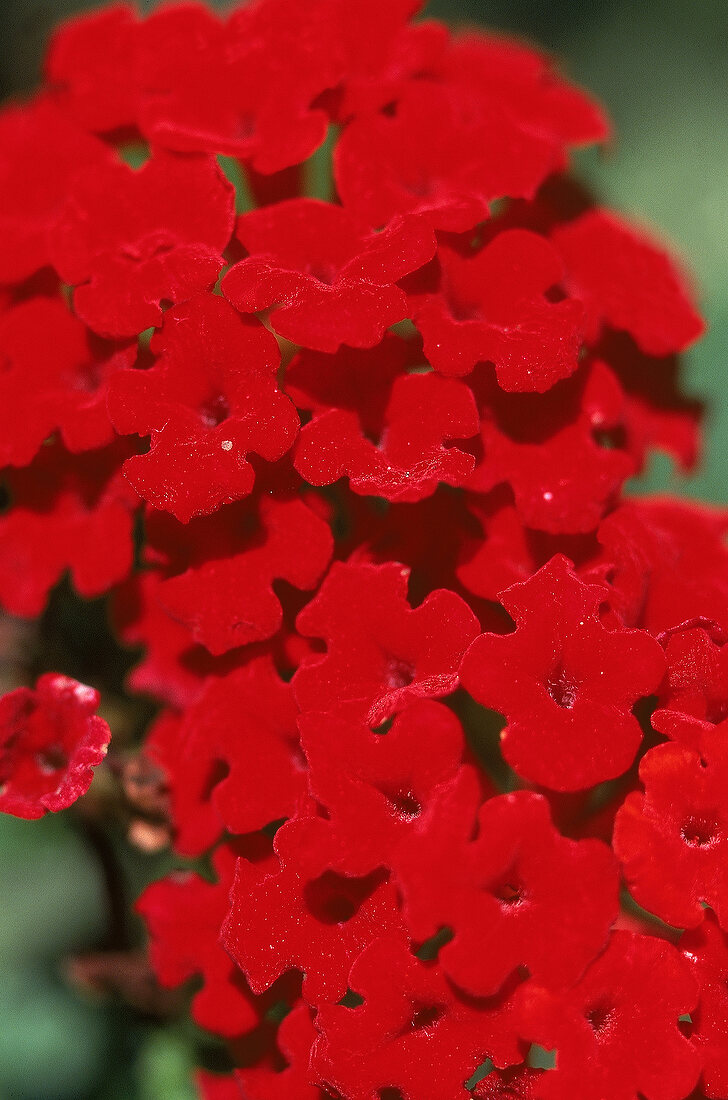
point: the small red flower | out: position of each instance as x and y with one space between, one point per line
680 823
209 401
413 1034
233 762
70 512
668 562
565 684
438 157
50 741
615 1033
502 551
695 690
90 68
706 950
502 73
55 376
31 197
381 64
387 781
386 429
330 283
414 452
244 87
226 596
505 876
627 282
381 653
549 449
322 920
172 219
491 306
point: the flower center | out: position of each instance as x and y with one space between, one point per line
699 832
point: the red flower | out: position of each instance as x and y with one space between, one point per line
491 306
226 596
172 219
389 782
680 822
695 690
413 454
71 513
31 197
706 949
322 920
244 87
234 761
183 914
55 375
440 158
616 1032
385 429
413 1033
50 741
380 65
501 550
627 282
546 901
381 653
668 562
330 283
209 401
564 683
90 67
554 451
502 73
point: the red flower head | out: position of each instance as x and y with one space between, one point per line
317 363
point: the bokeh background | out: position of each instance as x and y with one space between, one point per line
661 68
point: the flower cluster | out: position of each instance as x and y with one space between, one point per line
306 296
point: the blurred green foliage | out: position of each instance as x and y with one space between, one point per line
661 68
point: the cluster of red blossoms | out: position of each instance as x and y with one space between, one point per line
447 712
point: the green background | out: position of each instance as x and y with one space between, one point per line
661 68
